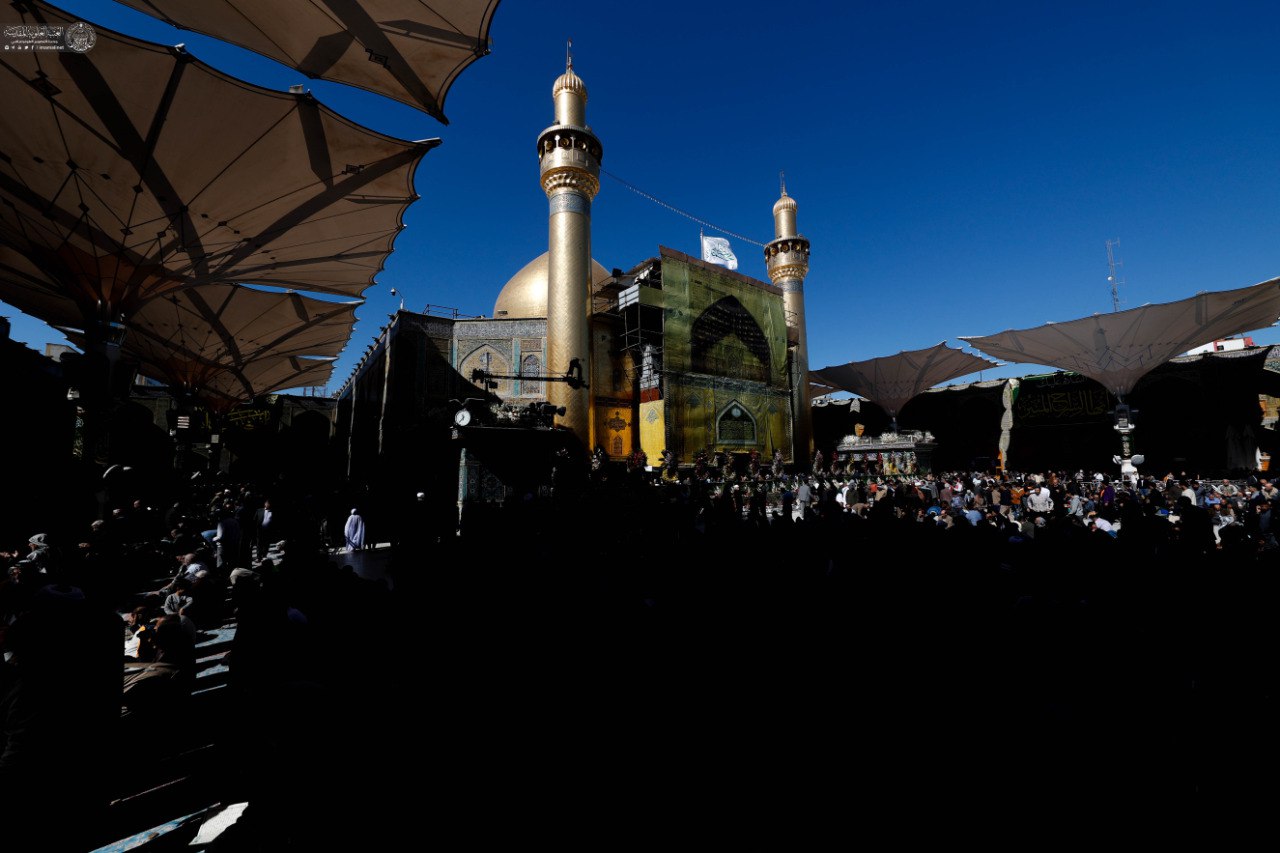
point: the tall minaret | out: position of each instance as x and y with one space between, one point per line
569 156
787 258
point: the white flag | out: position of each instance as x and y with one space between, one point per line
716 250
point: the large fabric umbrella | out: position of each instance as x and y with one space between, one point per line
1119 349
226 341
891 381
409 50
222 386
135 170
225 388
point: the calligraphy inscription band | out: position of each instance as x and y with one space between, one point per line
1062 404
570 203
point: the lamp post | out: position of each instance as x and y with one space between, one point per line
1124 425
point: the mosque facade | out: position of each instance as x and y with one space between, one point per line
675 354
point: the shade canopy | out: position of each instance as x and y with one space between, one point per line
142 187
1119 349
136 170
223 389
228 324
229 342
222 386
409 50
891 381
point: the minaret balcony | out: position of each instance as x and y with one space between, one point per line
793 249
565 138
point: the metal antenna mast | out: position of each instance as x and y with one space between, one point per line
1113 273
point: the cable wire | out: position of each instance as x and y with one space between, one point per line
704 223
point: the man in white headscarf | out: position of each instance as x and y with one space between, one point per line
354 531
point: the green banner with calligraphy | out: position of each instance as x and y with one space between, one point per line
1062 398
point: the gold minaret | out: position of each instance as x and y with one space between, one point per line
787 258
569 156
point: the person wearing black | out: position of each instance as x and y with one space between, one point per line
267 527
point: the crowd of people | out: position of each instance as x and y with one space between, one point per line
702 627
1012 502
99 629
1056 633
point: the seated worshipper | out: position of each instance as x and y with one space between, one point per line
158 688
41 556
244 576
178 542
1223 516
188 625
190 569
137 635
354 531
179 599
174 644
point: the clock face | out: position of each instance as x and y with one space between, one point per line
462 418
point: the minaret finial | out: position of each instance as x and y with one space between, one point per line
568 55
782 179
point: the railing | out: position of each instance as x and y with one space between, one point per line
447 312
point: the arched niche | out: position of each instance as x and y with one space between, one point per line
736 426
726 340
531 366
487 358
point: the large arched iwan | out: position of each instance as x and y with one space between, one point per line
727 317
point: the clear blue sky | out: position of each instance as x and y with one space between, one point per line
958 167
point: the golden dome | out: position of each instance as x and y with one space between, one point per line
525 295
568 81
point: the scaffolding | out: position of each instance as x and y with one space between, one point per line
641 326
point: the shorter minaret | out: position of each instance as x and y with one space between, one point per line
787 258
569 156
